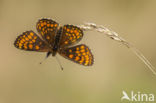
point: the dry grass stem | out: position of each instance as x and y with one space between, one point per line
113 35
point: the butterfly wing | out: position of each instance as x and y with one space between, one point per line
31 42
70 35
47 28
80 54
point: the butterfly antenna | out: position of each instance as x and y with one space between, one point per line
45 57
43 60
59 63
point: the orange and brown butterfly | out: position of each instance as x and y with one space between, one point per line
54 39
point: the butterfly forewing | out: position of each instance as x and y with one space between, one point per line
70 35
79 54
31 42
47 28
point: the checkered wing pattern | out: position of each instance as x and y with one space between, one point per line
31 42
47 28
80 54
70 35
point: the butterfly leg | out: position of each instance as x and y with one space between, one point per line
48 54
46 57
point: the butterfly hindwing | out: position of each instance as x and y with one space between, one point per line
47 28
70 35
31 42
80 54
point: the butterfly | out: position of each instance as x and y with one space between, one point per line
54 39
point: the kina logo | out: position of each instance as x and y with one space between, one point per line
137 96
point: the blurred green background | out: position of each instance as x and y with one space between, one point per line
116 68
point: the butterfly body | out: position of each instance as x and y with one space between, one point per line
54 40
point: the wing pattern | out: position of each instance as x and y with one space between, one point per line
31 42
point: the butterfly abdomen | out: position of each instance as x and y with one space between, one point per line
57 40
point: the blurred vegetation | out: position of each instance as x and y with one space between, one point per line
24 80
